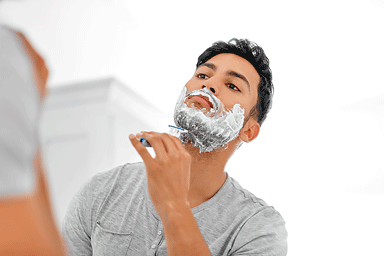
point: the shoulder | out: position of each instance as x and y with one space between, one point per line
264 233
11 50
6 36
93 192
17 81
88 200
119 176
246 200
263 229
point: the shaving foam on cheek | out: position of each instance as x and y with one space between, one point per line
211 130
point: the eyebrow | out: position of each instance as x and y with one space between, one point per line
209 65
229 73
235 74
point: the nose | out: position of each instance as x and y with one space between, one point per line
210 88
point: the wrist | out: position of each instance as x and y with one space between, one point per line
175 211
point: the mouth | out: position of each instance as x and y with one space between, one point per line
201 99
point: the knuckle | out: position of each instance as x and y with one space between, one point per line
176 155
164 161
162 135
155 138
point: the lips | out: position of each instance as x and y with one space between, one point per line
202 99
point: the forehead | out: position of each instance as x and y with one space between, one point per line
231 62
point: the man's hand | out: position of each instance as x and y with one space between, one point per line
168 178
168 173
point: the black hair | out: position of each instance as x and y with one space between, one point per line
255 55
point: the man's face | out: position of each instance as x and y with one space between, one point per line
230 78
214 102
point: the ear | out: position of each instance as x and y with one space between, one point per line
250 131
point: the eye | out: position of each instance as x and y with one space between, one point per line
233 87
202 76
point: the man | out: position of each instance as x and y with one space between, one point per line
27 225
182 202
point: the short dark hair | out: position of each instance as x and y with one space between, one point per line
255 55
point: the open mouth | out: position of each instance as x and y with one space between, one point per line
202 99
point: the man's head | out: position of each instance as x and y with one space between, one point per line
255 55
225 87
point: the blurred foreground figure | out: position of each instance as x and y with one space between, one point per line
27 226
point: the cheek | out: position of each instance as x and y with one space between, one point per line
192 86
229 104
248 108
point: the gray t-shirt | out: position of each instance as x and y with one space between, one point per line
113 215
20 111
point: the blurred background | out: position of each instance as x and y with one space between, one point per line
117 67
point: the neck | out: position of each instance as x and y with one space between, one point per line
207 172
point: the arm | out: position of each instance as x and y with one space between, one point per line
76 234
182 233
26 219
26 222
168 176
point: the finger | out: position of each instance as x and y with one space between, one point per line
169 145
143 141
143 152
178 143
156 142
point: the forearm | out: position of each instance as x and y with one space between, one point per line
29 227
182 233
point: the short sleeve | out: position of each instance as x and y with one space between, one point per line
19 115
263 234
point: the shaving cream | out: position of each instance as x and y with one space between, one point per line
210 130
